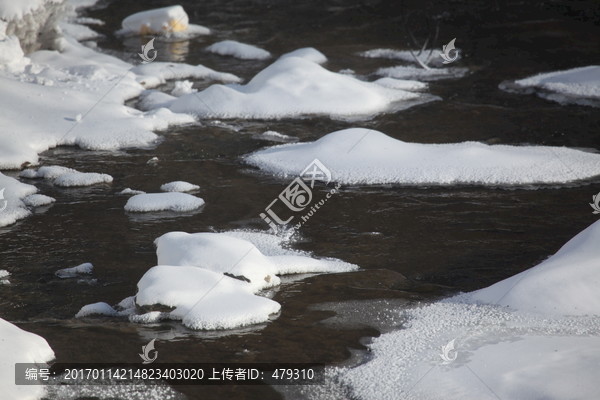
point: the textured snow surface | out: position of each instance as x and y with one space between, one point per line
238 50
578 85
364 156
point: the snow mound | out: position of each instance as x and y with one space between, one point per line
363 156
166 20
308 53
131 191
203 299
151 202
99 308
274 136
566 283
38 200
577 85
85 268
19 346
294 86
179 186
12 193
238 50
67 177
183 87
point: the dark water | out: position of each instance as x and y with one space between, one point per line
413 243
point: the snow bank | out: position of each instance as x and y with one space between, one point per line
179 186
403 84
566 283
152 202
19 346
545 345
577 85
363 156
67 177
203 299
166 20
238 50
12 193
85 268
293 86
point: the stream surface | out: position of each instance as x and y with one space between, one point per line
412 243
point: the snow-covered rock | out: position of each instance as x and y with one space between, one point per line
166 20
365 156
238 50
19 346
308 53
292 87
152 202
179 186
576 85
204 299
66 177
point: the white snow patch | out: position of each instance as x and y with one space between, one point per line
275 137
67 177
576 85
99 308
152 202
183 87
19 346
129 191
81 269
156 73
179 186
238 50
364 156
38 200
294 86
